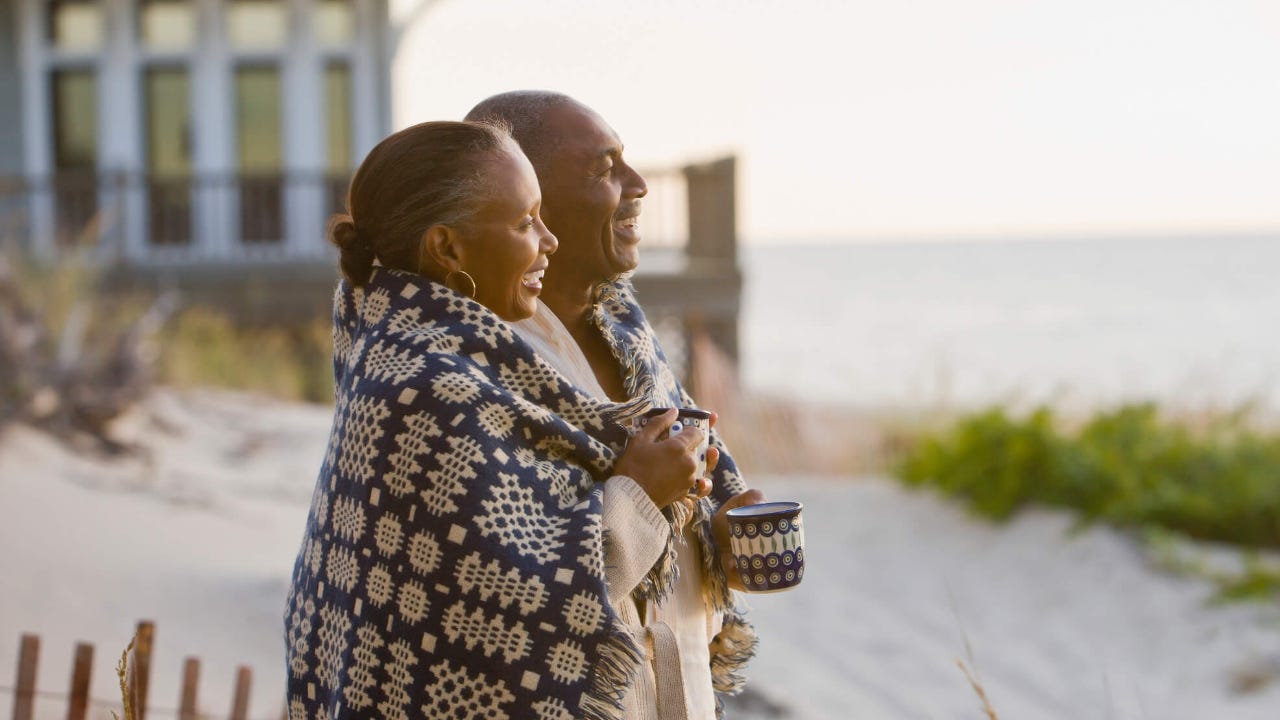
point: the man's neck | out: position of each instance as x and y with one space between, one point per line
573 307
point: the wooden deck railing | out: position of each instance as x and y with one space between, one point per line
131 219
255 247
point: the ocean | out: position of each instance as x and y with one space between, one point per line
1191 322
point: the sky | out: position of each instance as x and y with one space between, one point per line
919 119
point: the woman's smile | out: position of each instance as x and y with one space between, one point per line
533 278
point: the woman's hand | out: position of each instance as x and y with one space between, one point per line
702 487
664 469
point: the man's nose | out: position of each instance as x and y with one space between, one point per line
636 187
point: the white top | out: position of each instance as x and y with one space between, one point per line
639 532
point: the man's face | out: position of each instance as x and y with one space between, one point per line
590 196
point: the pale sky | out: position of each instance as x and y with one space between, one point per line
880 119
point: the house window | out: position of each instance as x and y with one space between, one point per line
334 22
168 155
76 25
257 24
337 91
258 120
75 151
167 24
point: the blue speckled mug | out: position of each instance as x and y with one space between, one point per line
768 545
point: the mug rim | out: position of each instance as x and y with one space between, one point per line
683 412
765 509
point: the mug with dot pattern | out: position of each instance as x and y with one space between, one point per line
768 545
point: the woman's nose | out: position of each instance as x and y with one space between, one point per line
548 242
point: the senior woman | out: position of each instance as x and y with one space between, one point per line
453 564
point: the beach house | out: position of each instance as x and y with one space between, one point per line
201 145
183 132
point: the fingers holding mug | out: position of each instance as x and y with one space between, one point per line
701 487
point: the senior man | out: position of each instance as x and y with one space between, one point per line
669 567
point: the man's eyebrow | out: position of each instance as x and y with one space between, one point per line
609 153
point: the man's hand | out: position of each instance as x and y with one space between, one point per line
720 528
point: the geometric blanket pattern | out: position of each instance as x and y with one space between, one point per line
453 560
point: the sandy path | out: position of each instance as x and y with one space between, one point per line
200 538
1062 625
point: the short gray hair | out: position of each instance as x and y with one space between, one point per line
523 113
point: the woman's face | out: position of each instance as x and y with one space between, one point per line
507 246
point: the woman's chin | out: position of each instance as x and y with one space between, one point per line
523 306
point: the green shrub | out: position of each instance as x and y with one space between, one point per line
1214 480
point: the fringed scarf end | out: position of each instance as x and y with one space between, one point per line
716 587
731 650
619 658
661 578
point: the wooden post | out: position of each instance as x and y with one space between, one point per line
24 694
81 672
140 675
713 243
713 211
240 703
190 679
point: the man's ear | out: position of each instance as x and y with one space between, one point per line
441 247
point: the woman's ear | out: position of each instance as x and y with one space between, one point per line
441 248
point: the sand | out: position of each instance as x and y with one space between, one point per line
199 535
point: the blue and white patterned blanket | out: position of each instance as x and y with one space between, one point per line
453 561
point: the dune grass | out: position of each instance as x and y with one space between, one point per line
1213 477
202 347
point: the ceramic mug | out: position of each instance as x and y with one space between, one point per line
768 545
687 416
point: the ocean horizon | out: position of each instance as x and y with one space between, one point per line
1190 322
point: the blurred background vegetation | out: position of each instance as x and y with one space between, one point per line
1214 477
202 346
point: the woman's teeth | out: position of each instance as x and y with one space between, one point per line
533 279
630 223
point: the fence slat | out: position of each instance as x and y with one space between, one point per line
140 677
190 679
24 701
81 672
240 703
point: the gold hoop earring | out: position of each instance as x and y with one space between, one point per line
469 281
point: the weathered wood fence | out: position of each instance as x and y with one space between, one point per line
78 700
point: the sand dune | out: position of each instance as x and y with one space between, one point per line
200 533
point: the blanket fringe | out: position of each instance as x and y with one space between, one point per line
731 650
618 660
657 584
716 587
